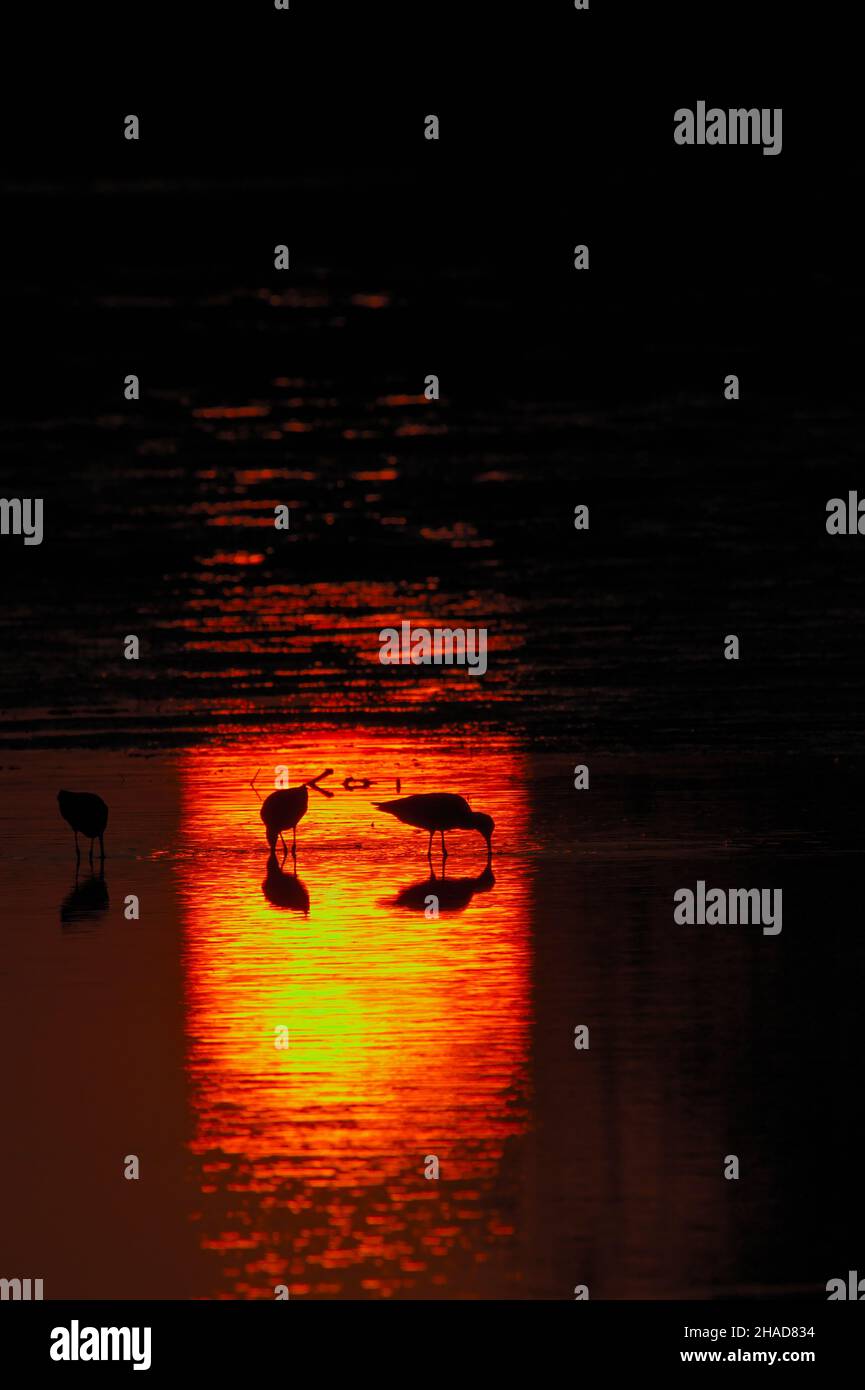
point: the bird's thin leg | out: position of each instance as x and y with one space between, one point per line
444 851
101 848
429 847
284 845
77 850
294 841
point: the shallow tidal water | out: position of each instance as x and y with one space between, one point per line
411 1037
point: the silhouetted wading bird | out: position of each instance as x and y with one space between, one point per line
87 814
440 811
282 811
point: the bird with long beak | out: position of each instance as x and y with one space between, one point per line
438 812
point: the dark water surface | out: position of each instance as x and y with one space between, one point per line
412 1037
305 388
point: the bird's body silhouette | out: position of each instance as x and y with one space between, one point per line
281 811
438 812
87 814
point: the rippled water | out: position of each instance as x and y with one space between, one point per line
411 1037
408 1036
258 391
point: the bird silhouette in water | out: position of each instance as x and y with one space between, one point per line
453 894
282 810
284 890
438 812
86 901
88 815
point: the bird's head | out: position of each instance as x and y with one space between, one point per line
484 825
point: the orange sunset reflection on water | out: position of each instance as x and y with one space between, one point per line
408 1037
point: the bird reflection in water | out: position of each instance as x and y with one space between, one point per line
282 889
453 894
87 900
